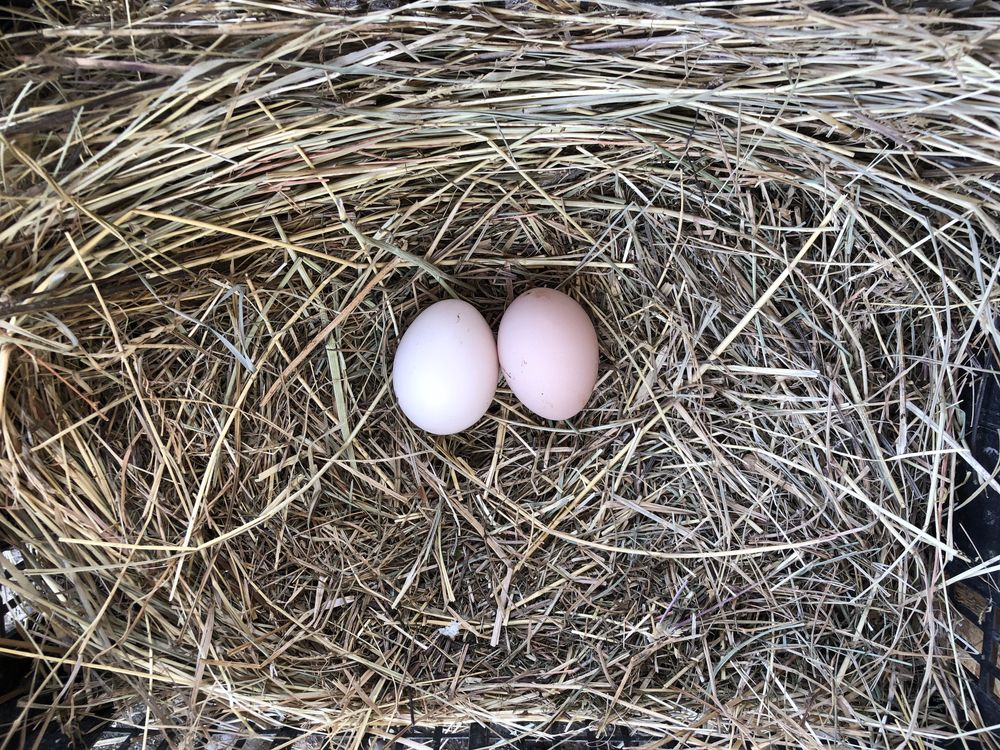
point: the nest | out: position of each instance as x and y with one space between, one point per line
218 218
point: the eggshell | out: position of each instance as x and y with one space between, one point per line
548 353
445 372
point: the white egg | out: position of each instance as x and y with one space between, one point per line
445 372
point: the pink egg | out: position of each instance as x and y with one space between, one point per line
548 353
445 372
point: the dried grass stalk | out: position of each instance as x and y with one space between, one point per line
217 217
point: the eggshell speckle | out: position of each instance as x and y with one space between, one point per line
548 353
445 372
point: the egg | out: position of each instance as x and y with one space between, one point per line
445 371
548 353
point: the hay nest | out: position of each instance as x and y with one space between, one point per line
218 217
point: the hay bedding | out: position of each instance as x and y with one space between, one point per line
218 217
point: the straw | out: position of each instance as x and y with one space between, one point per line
218 218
